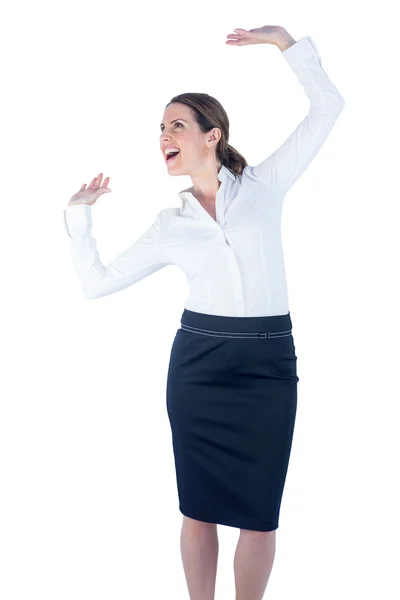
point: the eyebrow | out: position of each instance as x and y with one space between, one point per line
179 119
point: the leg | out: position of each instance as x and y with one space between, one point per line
254 557
199 549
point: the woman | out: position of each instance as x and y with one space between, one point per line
232 380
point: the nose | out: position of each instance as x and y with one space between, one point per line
165 139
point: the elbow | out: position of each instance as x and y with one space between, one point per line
335 109
339 101
340 107
91 287
90 296
89 293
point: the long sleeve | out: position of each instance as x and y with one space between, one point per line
137 262
284 166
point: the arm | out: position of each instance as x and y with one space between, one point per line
284 166
284 40
138 261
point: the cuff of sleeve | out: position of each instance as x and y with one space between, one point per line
77 217
303 50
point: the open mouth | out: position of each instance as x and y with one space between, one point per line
171 157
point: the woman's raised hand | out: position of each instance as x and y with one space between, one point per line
90 195
269 34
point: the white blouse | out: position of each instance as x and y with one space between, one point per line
234 265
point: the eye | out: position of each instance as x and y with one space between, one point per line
181 124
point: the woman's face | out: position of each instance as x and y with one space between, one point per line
179 128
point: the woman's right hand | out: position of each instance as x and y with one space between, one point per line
90 195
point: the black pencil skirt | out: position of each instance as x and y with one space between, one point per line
231 402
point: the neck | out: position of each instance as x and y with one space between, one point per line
206 186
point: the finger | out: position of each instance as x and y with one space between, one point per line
96 181
106 181
91 184
82 187
237 42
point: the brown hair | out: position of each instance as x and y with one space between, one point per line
209 113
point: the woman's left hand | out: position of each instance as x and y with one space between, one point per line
269 34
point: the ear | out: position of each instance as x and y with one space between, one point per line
215 135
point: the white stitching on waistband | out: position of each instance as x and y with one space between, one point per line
271 334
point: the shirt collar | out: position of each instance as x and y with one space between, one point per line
186 196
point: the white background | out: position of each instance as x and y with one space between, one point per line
88 503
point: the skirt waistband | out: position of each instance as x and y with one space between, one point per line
263 327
